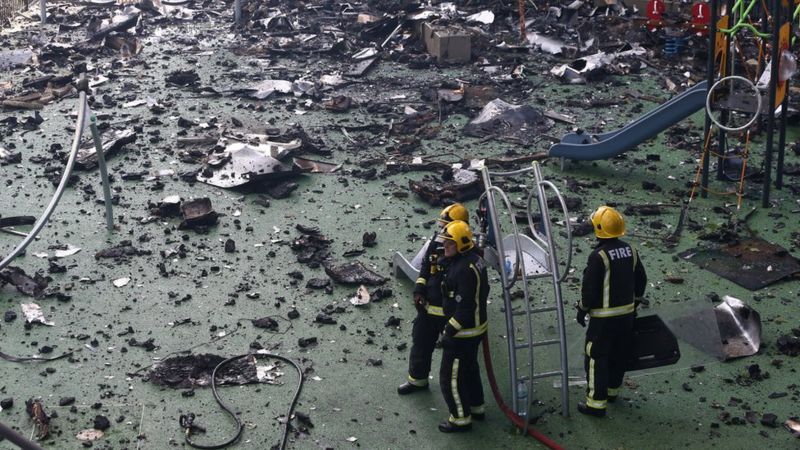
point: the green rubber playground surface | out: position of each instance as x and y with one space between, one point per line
207 299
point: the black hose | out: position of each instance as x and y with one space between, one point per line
188 426
17 439
22 359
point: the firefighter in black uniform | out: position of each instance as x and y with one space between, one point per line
465 288
614 281
430 318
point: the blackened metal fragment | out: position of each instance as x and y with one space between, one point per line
353 273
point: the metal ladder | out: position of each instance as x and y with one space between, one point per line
528 259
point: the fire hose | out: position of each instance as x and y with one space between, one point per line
518 421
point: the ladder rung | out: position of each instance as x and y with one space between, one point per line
537 344
546 342
534 276
535 310
546 374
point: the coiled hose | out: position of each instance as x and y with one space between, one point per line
186 420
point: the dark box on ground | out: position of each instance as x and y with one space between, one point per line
653 345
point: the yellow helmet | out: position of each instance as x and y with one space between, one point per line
456 211
607 222
458 231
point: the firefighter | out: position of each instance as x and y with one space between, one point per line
614 281
464 291
430 318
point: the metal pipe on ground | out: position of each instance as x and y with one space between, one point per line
101 162
83 86
237 12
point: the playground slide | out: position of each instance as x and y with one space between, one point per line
587 147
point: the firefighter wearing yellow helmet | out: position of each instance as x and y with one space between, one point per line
613 281
465 290
430 318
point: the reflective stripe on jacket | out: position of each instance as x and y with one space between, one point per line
465 289
613 277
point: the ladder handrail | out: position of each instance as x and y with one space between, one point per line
512 173
519 261
562 334
546 244
542 239
490 190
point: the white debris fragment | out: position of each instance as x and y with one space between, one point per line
134 103
484 17
89 435
265 88
268 374
595 61
332 80
33 313
365 53
362 296
98 80
119 282
69 251
351 439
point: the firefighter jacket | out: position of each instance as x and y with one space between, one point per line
430 275
465 288
612 279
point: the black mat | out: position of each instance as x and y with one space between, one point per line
752 264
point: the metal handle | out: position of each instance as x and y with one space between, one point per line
543 239
566 223
751 86
520 262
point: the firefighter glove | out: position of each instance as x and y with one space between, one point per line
419 302
447 341
581 316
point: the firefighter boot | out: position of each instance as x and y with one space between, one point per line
408 388
583 408
450 427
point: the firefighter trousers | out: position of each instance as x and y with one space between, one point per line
424 334
606 354
460 379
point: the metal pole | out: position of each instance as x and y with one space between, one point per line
17 439
782 138
712 34
43 10
101 162
730 61
37 227
237 12
773 89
